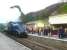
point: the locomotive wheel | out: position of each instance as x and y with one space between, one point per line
16 34
24 35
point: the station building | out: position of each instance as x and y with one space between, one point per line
57 17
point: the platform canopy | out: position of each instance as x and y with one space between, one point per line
58 19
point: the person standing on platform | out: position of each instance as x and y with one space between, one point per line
46 31
61 32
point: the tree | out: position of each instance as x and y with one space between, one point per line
1 27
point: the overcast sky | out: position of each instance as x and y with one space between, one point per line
7 14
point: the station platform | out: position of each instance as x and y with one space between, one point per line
55 37
7 43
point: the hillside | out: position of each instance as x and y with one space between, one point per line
45 13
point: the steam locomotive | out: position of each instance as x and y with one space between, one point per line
17 29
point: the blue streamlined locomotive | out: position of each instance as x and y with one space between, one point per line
17 29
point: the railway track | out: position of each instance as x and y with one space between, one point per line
32 44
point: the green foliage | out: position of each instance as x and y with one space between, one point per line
1 27
27 18
33 18
62 9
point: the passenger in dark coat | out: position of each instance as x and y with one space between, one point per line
61 32
46 31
